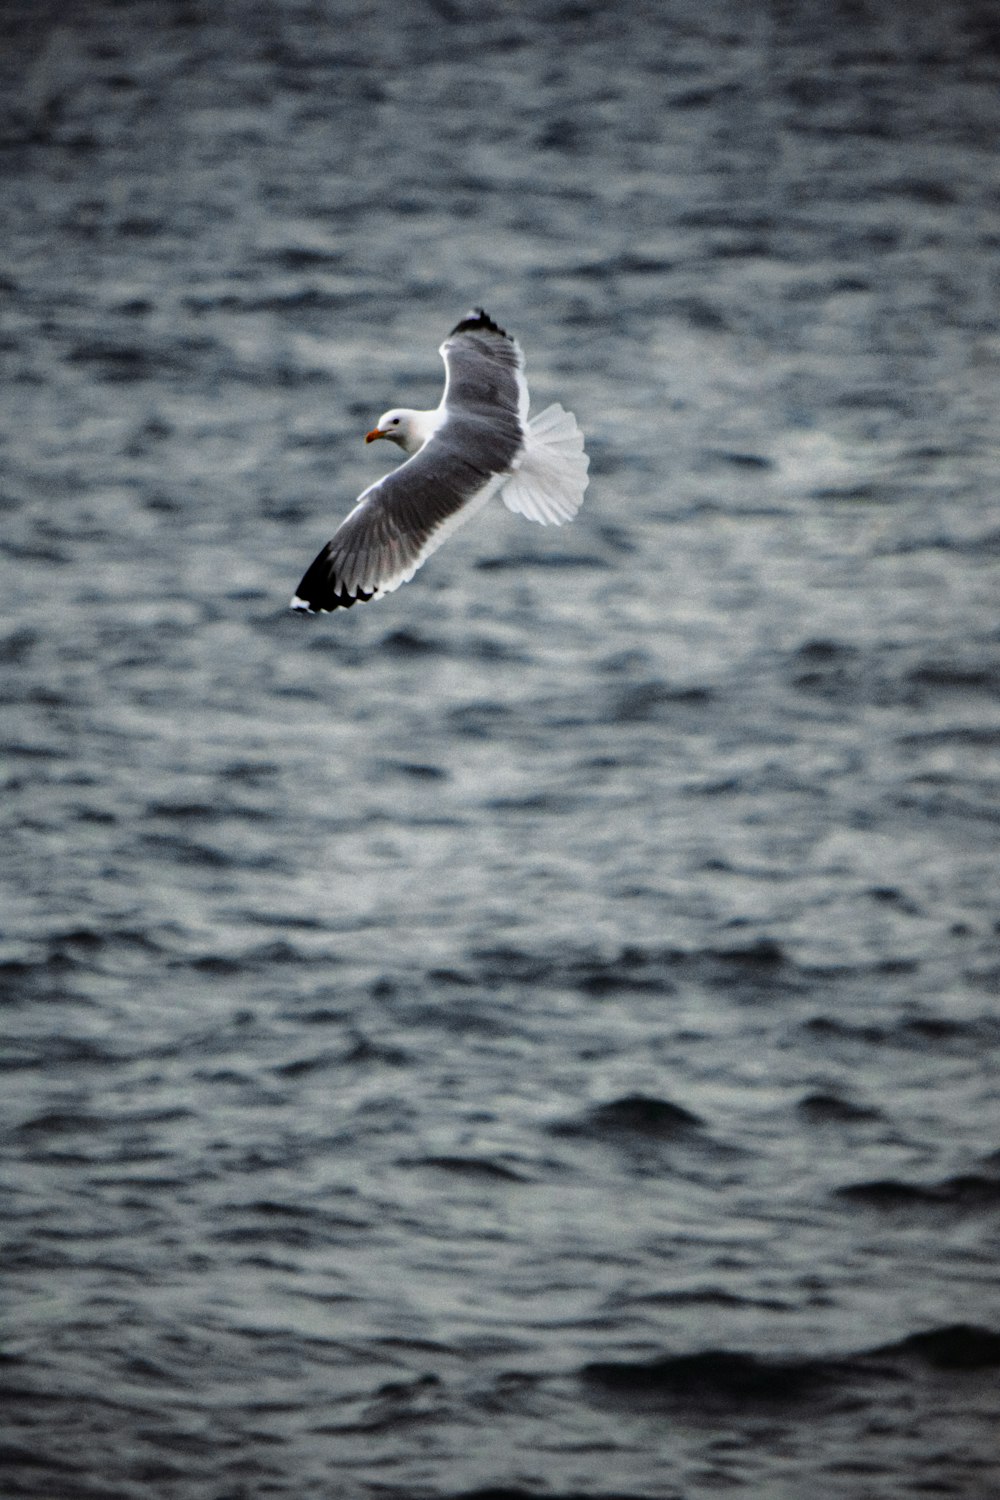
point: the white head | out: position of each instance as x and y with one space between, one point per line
410 429
397 426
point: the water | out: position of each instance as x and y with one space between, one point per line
536 1034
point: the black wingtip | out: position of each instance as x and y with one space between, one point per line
318 593
477 320
325 604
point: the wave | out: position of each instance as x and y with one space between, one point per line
734 1378
633 1115
968 1192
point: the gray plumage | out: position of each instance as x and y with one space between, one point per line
463 452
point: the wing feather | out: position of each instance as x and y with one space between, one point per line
401 519
485 371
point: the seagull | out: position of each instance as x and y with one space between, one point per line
477 443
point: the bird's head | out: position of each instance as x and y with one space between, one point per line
394 425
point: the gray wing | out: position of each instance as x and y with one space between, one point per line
400 520
485 369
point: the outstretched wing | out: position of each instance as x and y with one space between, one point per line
395 526
485 369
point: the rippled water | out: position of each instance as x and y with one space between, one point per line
536 1034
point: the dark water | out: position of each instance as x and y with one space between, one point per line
538 1034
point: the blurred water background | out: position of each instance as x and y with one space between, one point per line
535 1035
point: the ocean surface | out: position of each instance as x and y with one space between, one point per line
536 1035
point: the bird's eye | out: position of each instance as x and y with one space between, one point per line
395 422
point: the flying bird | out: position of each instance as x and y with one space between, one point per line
477 443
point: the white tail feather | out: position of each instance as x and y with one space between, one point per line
548 486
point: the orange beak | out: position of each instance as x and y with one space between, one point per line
371 436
